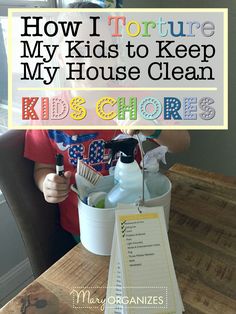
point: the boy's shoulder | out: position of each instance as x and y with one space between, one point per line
70 135
81 132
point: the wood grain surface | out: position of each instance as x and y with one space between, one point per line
202 236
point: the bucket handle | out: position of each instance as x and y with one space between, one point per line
74 189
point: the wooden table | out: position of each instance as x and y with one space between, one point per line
203 242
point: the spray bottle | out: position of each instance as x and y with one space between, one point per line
125 145
129 187
155 181
115 169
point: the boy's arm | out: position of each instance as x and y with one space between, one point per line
54 187
176 140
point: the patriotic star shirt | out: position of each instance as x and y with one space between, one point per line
42 146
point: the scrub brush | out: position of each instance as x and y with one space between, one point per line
86 179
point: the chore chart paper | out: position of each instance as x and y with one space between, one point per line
141 268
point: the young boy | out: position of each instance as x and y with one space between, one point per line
41 146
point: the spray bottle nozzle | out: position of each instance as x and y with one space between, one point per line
113 151
126 146
153 157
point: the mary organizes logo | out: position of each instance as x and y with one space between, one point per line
152 68
87 297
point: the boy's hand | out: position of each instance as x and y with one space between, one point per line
130 132
55 187
133 132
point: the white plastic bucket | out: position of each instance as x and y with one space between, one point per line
96 228
97 224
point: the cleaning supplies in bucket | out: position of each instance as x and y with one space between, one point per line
97 222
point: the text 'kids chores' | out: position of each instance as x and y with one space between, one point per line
158 68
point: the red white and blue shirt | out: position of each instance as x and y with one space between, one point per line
42 146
